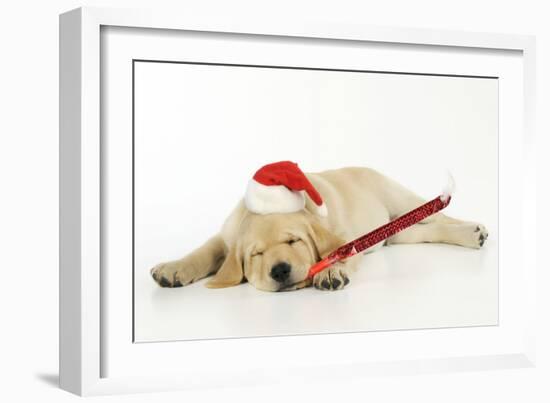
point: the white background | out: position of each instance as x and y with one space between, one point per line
201 132
28 162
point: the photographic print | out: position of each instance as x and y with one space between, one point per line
245 176
257 193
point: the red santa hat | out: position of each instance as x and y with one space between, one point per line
279 188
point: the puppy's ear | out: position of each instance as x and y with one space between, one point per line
324 240
231 271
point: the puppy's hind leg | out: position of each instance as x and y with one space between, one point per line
400 200
200 263
461 233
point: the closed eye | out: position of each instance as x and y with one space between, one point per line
257 254
292 241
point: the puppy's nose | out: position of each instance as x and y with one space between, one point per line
280 272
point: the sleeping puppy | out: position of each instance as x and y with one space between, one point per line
271 240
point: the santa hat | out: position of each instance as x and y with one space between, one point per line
279 188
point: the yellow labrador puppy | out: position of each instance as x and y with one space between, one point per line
274 251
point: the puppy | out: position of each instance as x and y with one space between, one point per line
274 250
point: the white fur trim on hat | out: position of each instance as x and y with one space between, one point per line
262 199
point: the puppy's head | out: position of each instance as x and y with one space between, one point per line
275 251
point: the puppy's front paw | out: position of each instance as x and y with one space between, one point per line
170 274
332 278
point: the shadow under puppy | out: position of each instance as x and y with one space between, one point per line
276 233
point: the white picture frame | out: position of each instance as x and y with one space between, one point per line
84 348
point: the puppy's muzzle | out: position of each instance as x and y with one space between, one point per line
280 272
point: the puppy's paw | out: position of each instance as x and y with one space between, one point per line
332 278
171 274
473 235
480 235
